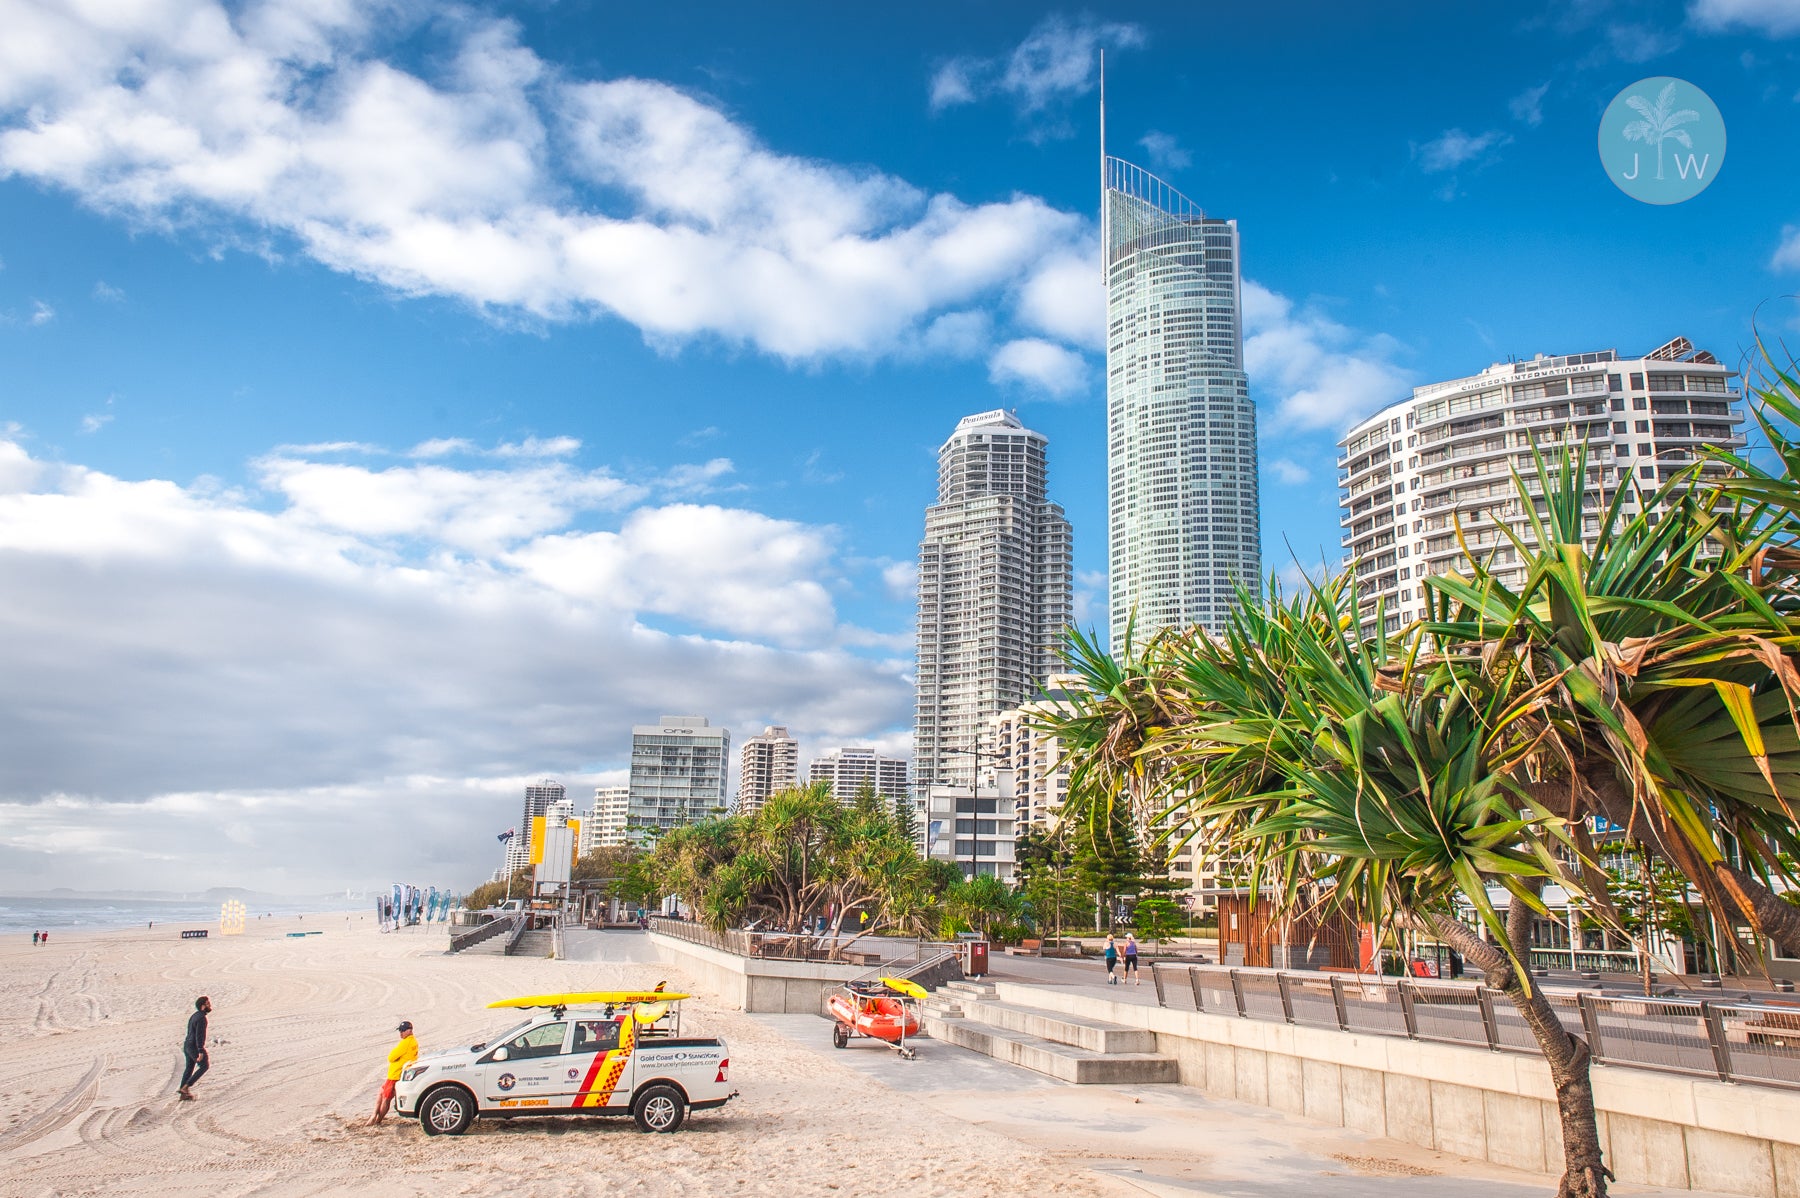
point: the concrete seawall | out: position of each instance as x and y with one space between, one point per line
1656 1128
762 985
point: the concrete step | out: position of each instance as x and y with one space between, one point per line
1064 1061
539 943
979 991
942 1007
1095 1035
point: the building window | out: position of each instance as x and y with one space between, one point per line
1618 426
1639 403
1643 426
1637 382
1644 450
1647 471
1618 404
1613 384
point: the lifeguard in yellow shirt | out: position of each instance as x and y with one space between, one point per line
399 1057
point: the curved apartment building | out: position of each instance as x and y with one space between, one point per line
1410 473
1183 525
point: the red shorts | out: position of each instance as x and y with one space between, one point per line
387 1090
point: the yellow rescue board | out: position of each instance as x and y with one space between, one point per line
590 998
902 986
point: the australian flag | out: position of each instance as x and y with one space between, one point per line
506 835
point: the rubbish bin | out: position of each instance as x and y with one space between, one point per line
978 962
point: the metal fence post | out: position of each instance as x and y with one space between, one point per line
1237 992
1194 985
1337 1000
1287 1000
1156 980
1590 1023
1490 1023
1715 1035
1406 1009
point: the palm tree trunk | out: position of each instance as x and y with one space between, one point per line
1584 1172
1777 919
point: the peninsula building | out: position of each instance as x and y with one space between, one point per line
847 770
996 580
1414 472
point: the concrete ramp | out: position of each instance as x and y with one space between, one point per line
1071 1048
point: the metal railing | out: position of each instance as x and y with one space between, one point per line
800 946
485 931
1753 1043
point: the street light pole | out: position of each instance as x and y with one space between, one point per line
975 758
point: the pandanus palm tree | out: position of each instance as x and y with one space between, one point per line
1654 675
1354 773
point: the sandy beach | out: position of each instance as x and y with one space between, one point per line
90 1029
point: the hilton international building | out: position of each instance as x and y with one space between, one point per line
1408 474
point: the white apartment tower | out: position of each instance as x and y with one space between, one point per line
1183 521
607 823
1411 473
767 764
995 590
538 797
848 770
677 774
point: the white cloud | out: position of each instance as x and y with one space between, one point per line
1787 254
1317 373
1773 18
900 579
1058 59
1454 148
1041 366
1289 472
1065 298
93 422
497 180
1528 105
179 657
1092 599
41 314
106 291
696 478
1165 152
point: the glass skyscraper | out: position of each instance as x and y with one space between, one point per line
1183 524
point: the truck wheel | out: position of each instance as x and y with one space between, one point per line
446 1111
659 1108
840 1036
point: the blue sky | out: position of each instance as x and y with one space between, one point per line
398 401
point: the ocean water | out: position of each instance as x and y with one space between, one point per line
28 915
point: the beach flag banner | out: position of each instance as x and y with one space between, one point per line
507 835
231 918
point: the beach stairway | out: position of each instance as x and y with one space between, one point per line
1069 1047
540 942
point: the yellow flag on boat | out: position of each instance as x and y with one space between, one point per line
593 998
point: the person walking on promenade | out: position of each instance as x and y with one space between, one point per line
399 1057
1131 955
1112 961
44 938
194 1048
34 939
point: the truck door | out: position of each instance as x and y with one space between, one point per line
596 1063
524 1071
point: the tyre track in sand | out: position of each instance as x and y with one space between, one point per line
61 1112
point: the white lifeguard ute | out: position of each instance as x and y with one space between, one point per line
606 1052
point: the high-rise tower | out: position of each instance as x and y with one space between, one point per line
767 765
1183 524
996 581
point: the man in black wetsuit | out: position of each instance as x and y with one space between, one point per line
194 1048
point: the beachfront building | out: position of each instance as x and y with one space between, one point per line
1414 473
847 770
1183 521
975 831
767 764
538 797
996 583
677 774
608 819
